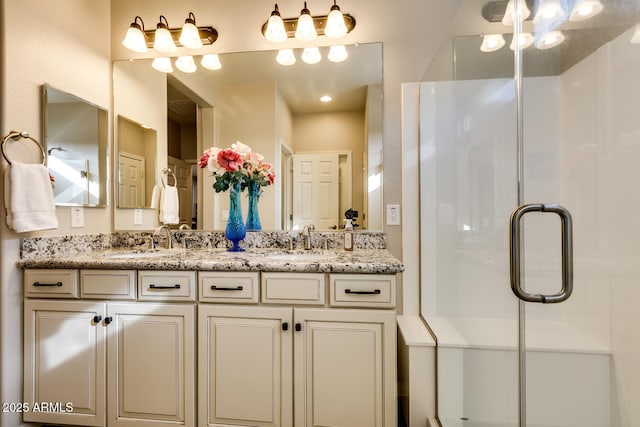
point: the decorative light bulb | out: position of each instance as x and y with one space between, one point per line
337 53
306 29
164 41
510 12
311 55
190 35
286 57
211 62
135 38
492 42
550 39
275 31
162 64
524 40
335 23
585 9
548 10
186 64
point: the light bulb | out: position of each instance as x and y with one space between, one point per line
311 55
524 40
135 38
492 42
286 57
186 64
306 29
325 98
164 41
190 35
275 31
585 9
510 12
548 10
162 64
550 39
335 23
211 62
337 53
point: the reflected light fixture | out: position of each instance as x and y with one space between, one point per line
550 39
510 12
635 39
492 42
190 36
585 9
524 40
311 55
275 31
548 10
335 23
325 98
286 57
164 42
135 39
306 29
211 61
186 64
337 53
162 65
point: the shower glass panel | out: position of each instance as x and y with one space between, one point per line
556 123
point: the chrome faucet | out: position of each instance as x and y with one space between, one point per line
306 235
168 233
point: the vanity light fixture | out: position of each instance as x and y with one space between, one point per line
307 27
524 40
548 10
135 39
337 53
167 40
286 57
492 42
211 61
510 12
585 9
311 55
550 39
163 65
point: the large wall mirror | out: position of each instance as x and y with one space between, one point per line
75 139
277 111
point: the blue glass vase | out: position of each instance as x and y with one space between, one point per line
253 217
235 230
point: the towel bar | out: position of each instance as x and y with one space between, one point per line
167 171
15 135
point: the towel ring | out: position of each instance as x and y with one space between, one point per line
167 171
15 135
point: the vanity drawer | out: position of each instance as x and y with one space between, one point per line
108 284
228 287
167 285
51 283
294 288
362 290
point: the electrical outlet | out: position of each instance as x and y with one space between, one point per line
77 217
137 217
393 214
225 214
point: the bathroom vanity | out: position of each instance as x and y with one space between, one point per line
205 337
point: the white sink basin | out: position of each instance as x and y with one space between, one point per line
135 254
301 257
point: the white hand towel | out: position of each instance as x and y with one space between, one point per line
155 197
29 198
169 206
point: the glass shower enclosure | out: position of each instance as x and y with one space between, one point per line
530 250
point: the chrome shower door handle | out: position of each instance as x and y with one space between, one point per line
567 253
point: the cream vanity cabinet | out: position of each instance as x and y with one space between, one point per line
291 359
103 358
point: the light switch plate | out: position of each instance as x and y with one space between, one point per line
77 217
393 214
137 217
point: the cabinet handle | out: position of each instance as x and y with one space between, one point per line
373 292
285 326
298 327
152 286
38 284
97 319
108 320
223 288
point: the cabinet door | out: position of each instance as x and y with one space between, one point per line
64 362
245 367
151 358
345 368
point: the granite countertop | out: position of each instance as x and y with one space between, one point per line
378 261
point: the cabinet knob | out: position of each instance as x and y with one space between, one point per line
285 326
108 320
97 319
298 327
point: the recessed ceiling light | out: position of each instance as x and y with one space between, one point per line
325 98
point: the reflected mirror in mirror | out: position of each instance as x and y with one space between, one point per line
75 139
137 145
277 111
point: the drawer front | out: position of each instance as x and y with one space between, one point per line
362 290
294 288
228 287
108 284
51 283
167 285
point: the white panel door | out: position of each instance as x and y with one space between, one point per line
64 362
184 182
131 187
316 192
245 366
345 368
151 359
